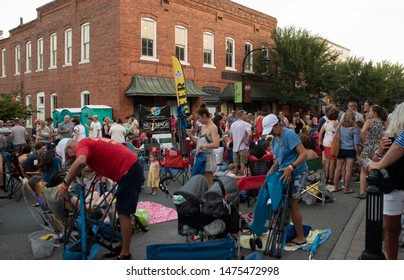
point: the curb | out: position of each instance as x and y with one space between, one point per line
344 242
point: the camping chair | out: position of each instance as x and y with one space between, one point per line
166 143
252 184
13 174
316 187
259 166
174 166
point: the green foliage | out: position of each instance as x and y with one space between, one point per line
9 108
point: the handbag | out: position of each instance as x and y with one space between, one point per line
199 164
334 150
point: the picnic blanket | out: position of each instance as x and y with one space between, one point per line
158 213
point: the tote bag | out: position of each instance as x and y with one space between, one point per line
334 151
199 164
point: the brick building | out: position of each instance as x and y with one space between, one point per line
118 52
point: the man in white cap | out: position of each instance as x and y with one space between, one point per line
291 160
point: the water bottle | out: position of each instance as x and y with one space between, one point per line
367 161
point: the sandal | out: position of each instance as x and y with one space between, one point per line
350 191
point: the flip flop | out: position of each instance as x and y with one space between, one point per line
350 191
294 243
340 189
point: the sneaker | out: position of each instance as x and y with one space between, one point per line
112 255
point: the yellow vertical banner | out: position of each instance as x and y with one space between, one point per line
238 92
180 87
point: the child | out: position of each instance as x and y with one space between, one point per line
153 178
306 144
232 172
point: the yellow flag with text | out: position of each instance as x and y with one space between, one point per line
180 87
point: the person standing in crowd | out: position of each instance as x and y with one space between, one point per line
366 108
390 156
219 152
324 118
65 128
19 135
79 132
348 150
153 176
291 159
44 135
326 135
258 124
90 127
207 140
105 128
118 132
241 133
97 128
372 133
118 164
283 119
298 123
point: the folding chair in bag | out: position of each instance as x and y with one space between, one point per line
175 167
314 182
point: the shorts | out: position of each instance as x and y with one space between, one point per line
241 157
346 154
297 186
129 187
393 203
327 152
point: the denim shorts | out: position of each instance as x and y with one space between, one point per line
346 154
129 187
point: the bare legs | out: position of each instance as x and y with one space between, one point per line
392 232
126 231
297 221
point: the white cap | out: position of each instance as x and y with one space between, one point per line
268 123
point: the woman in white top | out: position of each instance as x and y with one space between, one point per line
79 130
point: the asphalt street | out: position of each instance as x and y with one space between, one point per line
17 223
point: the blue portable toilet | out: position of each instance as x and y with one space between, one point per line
101 111
56 117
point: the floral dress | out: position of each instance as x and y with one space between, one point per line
374 136
329 133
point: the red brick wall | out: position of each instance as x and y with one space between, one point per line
115 47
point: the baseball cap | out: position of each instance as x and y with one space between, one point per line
268 123
34 180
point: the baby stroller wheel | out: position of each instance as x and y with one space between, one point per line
258 242
252 244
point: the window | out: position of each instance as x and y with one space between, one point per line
248 47
85 98
230 54
208 49
85 43
68 47
53 50
53 102
149 51
17 60
28 103
40 55
40 105
28 57
181 44
3 63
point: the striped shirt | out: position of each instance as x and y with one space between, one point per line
400 140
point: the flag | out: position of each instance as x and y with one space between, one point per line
180 87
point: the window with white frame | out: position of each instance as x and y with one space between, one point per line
208 49
181 43
149 34
53 50
85 98
3 63
17 50
40 105
230 54
68 47
53 102
28 57
85 43
248 47
28 103
39 66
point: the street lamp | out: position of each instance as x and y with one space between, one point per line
243 69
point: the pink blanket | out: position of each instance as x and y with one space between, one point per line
158 213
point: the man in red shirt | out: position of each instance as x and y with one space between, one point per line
113 160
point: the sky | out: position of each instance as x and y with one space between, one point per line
371 29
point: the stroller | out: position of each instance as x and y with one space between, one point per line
207 214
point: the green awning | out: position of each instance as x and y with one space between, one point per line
157 86
258 92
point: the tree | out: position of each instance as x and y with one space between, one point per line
9 108
303 66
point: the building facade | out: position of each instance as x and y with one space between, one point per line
118 52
